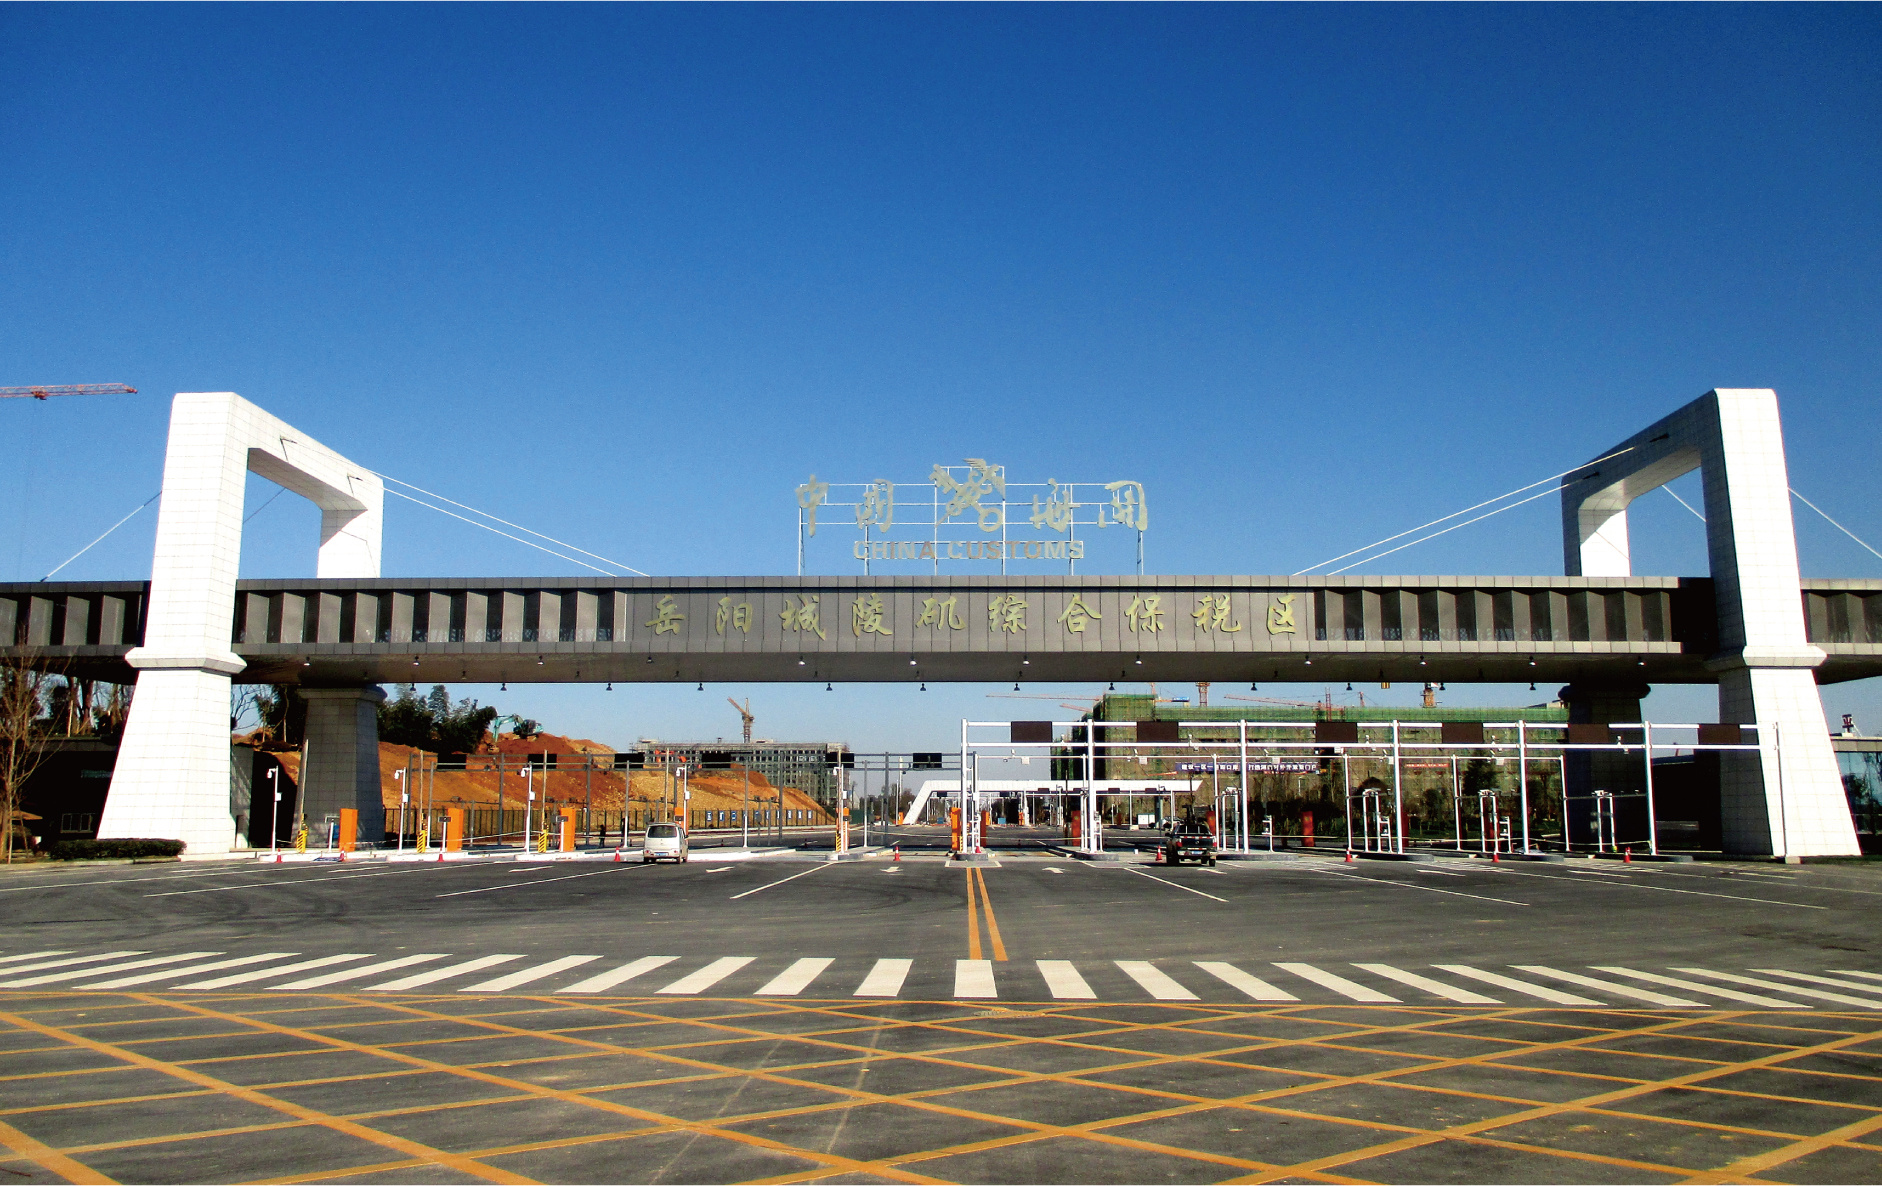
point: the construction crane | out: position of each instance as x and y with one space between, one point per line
744 715
68 389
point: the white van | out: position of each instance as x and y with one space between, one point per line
664 842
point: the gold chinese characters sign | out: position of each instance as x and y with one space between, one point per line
967 511
1069 616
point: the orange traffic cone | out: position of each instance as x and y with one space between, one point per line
1627 856
898 853
1495 858
1349 856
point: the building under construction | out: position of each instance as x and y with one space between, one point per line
807 766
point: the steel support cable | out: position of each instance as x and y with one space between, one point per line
506 535
1688 505
88 547
1435 534
494 519
1846 531
1454 514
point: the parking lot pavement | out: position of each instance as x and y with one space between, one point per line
1033 1018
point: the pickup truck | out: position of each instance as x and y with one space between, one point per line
1191 842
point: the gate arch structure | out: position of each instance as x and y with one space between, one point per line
1751 627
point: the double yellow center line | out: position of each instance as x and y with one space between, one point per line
976 880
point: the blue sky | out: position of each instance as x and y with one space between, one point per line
630 274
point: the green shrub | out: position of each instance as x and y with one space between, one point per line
98 850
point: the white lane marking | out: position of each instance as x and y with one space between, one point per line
974 978
531 974
1639 994
1064 982
1435 872
519 884
266 973
436 974
1436 988
30 955
1339 984
885 979
1177 884
1050 869
360 973
780 881
796 978
1430 889
1853 972
1541 992
1816 979
1743 998
193 970
707 976
221 889
52 885
622 974
69 974
1667 889
1253 986
1754 982
77 959
721 869
1155 981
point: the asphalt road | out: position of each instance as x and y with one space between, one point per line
1037 1018
1045 907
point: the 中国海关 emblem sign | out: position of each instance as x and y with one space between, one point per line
970 512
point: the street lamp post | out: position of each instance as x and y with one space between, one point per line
529 803
405 796
274 811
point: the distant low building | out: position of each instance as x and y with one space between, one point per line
807 766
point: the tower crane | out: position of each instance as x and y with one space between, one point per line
744 714
68 389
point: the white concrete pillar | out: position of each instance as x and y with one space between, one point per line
172 776
342 768
1734 437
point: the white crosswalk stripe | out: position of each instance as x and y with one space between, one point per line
1639 994
622 974
270 973
707 976
885 979
345 974
1541 992
1253 986
27 955
1438 988
1595 986
1814 993
433 975
1064 982
1339 984
1824 980
1155 981
180 973
974 978
1709 990
531 974
66 963
69 974
796 978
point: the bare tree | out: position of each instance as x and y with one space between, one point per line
26 685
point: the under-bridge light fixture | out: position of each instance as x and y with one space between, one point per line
610 686
1016 685
1253 686
1532 662
1024 661
701 687
504 686
649 658
924 685
539 660
1310 662
800 660
1112 688
1532 685
1349 685
828 688
1139 661
414 660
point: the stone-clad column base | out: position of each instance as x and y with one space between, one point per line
171 781
342 769
1789 800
